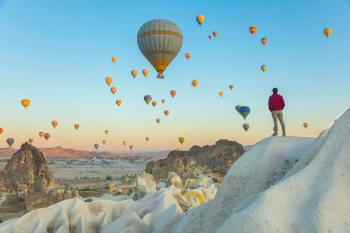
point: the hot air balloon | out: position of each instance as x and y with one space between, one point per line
106 131
147 139
46 136
246 126
173 93
188 56
159 41
163 101
181 140
54 123
76 126
25 102
134 73
145 72
264 41
96 146
10 141
231 87
215 33
119 102
306 125
200 19
166 112
124 143
30 140
328 32
147 99
244 111
194 83
109 80
113 90
104 142
41 134
1 130
264 68
221 93
210 37
154 103
158 120
131 147
253 30
114 59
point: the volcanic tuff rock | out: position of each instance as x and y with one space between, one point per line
214 160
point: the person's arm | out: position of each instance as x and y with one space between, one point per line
270 105
283 104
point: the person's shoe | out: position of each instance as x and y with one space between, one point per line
274 134
284 135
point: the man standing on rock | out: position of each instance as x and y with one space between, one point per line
276 105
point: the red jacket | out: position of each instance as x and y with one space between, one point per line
276 102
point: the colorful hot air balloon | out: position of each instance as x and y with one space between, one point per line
46 136
113 90
194 83
54 123
163 101
30 140
306 125
10 141
181 140
264 41
166 112
106 131
109 80
41 134
215 33
147 99
147 139
264 68
158 120
124 143
114 59
154 103
253 30
210 37
244 111
221 93
1 130
104 142
96 146
119 102
187 55
246 126
145 72
200 19
231 87
134 73
173 93
25 102
159 41
76 126
328 32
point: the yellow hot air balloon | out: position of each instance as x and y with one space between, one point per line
25 102
114 59
195 83
188 56
145 72
328 32
221 93
109 80
253 30
134 73
181 140
264 68
200 19
119 102
54 123
154 103
159 41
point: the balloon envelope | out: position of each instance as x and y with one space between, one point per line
253 30
244 111
119 102
114 59
25 102
200 19
76 126
245 126
1 130
108 80
10 141
328 32
181 140
145 72
134 73
147 99
96 146
46 136
54 123
173 93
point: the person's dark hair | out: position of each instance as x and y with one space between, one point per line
275 90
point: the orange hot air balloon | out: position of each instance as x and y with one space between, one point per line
200 19
306 125
221 93
145 72
124 143
119 102
195 83
134 73
113 90
166 112
154 103
41 134
30 140
54 123
215 33
188 56
158 120
109 80
147 139
25 102
253 30
173 93
114 59
76 126
210 37
46 136
264 68
264 41
328 32
163 101
1 130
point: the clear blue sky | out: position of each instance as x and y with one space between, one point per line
57 53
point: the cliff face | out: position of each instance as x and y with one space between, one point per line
27 170
214 160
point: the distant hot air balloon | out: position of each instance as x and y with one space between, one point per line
159 41
306 125
114 59
245 126
96 146
76 126
215 33
109 80
10 141
104 142
106 131
264 41
46 136
166 112
253 30
113 90
244 111
221 93
264 68
200 19
231 87
181 140
30 140
147 139
173 93
131 147
147 99
25 102
194 83
188 56
163 101
145 72
1 130
124 143
158 120
134 73
41 134
328 32
54 123
119 102
154 103
210 37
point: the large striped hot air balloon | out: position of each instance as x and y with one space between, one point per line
160 41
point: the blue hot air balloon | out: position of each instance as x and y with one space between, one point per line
243 110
